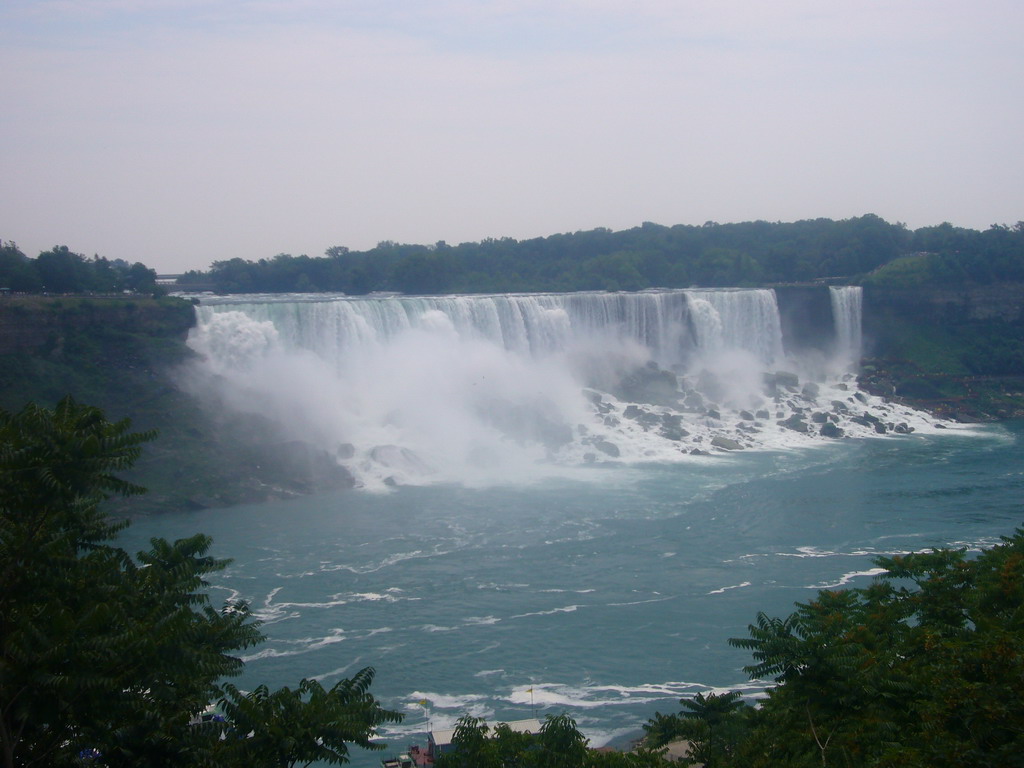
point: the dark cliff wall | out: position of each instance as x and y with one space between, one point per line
889 314
805 312
955 351
129 357
905 323
982 303
31 324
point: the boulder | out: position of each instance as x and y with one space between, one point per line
787 379
796 423
649 384
671 420
674 433
726 443
780 380
607 448
828 429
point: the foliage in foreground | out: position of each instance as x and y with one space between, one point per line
110 657
559 744
924 667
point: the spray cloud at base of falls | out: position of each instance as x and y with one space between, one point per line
506 388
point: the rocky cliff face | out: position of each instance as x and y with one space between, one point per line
805 312
126 356
32 323
1003 302
955 351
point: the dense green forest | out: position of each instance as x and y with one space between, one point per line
862 249
60 270
866 248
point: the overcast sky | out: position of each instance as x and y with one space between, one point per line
179 132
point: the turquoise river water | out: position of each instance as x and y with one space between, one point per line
607 593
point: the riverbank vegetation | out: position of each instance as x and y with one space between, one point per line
924 667
109 659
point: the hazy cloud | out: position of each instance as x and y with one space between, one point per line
179 132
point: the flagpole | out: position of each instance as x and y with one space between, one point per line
430 723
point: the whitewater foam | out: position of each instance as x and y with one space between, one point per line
512 389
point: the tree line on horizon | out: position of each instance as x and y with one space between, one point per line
61 270
864 249
861 249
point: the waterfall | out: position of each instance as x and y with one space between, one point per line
502 387
530 324
846 314
670 325
737 319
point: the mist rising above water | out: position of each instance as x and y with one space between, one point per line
507 388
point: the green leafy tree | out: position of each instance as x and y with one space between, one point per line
472 746
662 729
17 271
924 667
301 726
101 652
714 725
558 744
62 271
